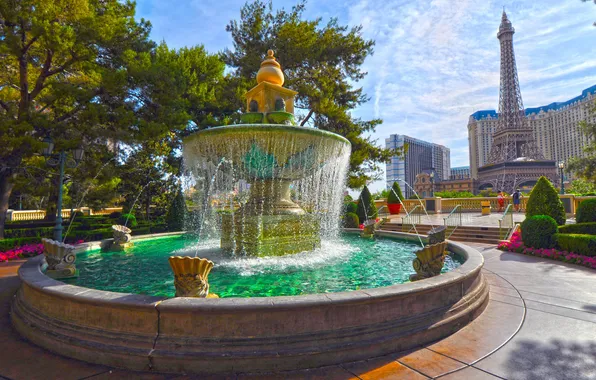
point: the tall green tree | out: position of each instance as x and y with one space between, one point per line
64 73
322 61
585 166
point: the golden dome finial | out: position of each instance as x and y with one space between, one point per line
270 71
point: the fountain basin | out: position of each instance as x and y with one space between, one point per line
234 335
265 151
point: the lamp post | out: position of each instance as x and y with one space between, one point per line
432 184
60 160
562 167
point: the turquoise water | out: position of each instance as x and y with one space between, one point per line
350 263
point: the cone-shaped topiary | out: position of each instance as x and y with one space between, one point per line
544 200
395 194
366 206
586 211
176 213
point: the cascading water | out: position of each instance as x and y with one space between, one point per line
296 178
295 175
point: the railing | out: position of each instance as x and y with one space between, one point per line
413 218
452 221
506 222
25 215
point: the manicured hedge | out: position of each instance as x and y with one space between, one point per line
578 243
6 244
579 228
586 211
28 232
539 231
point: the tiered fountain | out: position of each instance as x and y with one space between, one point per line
270 154
310 297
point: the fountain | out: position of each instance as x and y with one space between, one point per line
270 157
292 291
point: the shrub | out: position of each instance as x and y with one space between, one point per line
586 211
395 194
132 220
29 232
577 243
539 231
366 208
351 220
116 215
6 244
579 228
350 207
544 200
177 213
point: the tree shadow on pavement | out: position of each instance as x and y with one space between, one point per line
532 360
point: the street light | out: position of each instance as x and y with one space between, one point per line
60 160
432 184
562 167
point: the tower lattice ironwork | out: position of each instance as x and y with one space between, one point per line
515 159
514 138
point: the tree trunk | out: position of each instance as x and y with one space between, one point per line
5 190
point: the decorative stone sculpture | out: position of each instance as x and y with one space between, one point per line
190 276
121 239
121 234
437 235
429 261
369 228
60 259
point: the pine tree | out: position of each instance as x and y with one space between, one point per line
544 200
177 213
366 206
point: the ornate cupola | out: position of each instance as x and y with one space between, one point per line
269 102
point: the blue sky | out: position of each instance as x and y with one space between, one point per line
435 62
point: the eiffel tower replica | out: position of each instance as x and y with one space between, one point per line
515 160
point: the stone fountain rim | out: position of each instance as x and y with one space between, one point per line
265 127
31 274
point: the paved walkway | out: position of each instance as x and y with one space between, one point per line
540 324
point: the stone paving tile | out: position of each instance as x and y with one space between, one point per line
324 373
505 291
21 360
493 327
562 311
556 301
383 368
469 373
506 299
496 281
547 347
430 363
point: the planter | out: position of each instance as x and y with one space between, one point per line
394 209
190 276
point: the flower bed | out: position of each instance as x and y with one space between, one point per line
24 251
516 245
